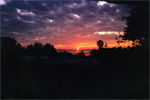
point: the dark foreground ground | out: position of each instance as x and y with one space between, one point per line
115 77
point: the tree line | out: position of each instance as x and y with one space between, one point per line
12 49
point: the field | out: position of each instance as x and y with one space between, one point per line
74 78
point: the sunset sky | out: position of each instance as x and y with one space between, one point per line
64 24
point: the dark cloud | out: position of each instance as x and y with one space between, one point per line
26 20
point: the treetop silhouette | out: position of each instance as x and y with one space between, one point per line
100 44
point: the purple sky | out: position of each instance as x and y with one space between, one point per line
63 23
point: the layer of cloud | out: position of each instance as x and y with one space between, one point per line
28 21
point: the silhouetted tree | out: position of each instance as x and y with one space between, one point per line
37 45
10 46
30 49
47 46
19 45
137 23
20 49
100 44
10 50
38 49
30 46
10 60
49 50
41 50
8 43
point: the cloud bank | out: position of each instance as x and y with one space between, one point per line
61 22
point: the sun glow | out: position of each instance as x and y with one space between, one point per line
77 48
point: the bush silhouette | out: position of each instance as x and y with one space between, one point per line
81 54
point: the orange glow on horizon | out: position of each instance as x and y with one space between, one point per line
83 43
84 46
